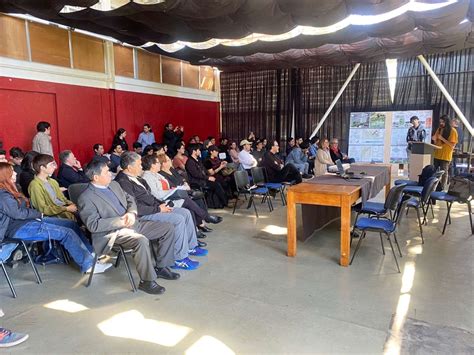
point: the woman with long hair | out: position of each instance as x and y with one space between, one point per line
27 172
446 138
179 160
323 158
119 139
19 221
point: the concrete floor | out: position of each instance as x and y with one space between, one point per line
248 297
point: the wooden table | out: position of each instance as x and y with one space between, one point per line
333 198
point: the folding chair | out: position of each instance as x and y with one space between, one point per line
383 224
242 184
7 246
260 179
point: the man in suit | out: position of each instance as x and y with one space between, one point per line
150 208
70 172
110 215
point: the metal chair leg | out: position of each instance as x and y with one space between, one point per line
127 267
393 252
447 216
92 271
381 242
33 266
398 246
419 224
235 203
469 209
282 195
254 206
357 247
10 284
432 212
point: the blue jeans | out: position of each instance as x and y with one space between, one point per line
68 223
42 231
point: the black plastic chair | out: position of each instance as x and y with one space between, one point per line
260 179
384 224
16 242
242 184
75 190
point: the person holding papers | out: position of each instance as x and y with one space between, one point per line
445 137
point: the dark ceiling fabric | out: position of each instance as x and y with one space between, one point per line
407 35
308 92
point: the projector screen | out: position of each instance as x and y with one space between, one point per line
380 137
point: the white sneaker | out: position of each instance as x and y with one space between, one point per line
99 268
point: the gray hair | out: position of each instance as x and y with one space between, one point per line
334 140
64 155
94 168
128 158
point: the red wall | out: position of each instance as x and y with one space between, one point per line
82 116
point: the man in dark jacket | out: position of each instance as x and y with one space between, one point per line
198 177
276 170
171 136
151 209
70 172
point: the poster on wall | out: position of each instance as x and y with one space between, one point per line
366 136
400 125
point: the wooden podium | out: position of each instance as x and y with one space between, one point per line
421 155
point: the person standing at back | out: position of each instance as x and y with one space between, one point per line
147 137
445 137
42 139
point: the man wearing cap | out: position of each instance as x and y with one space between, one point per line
246 159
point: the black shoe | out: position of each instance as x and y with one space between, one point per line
214 219
166 273
307 176
205 229
151 287
202 244
201 235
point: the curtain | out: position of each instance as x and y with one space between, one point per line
267 102
416 90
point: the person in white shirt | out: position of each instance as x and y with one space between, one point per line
42 139
246 159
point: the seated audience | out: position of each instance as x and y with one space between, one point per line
218 168
276 170
251 137
161 189
246 159
290 144
224 148
198 178
336 153
150 208
299 158
147 137
180 159
110 215
16 157
234 153
323 158
42 140
159 148
313 147
115 158
19 221
99 153
3 156
27 172
258 152
137 148
70 172
119 139
148 150
205 152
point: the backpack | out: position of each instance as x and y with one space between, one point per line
462 188
427 172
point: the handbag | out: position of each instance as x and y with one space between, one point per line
227 171
462 188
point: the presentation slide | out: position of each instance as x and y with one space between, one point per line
368 130
400 125
366 136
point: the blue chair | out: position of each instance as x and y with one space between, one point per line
406 182
242 183
423 201
416 190
260 179
7 246
450 199
384 224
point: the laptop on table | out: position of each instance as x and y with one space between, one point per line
347 175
